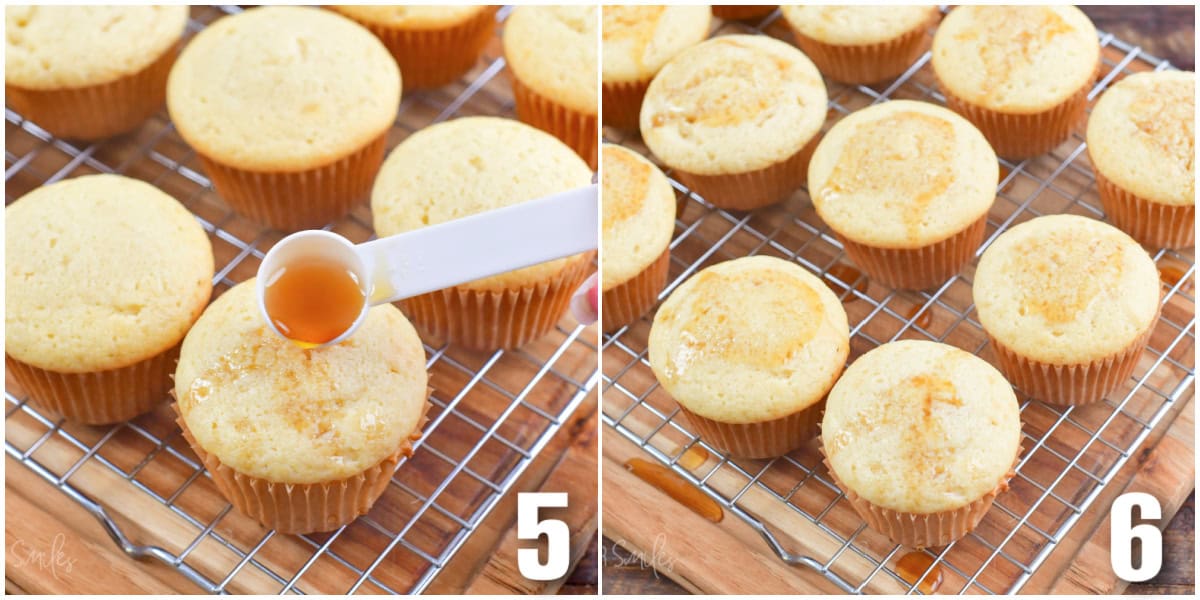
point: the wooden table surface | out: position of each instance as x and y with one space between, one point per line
1166 32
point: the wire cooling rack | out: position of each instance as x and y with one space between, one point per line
491 413
1068 456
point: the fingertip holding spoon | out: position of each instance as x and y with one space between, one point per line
315 287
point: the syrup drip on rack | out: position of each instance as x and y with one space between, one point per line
313 302
851 277
914 564
1004 171
1171 275
924 320
693 457
677 488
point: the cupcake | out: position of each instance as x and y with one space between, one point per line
921 437
638 207
861 44
738 12
105 276
434 45
289 109
638 41
1021 74
1068 303
736 118
1141 139
749 348
551 52
89 72
471 165
299 440
906 187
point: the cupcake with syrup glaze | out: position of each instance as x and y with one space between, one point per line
1021 74
749 348
1141 139
301 440
906 187
736 118
637 42
921 437
1069 304
638 207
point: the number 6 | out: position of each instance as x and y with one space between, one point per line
558 535
1123 533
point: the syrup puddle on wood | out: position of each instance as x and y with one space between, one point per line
914 564
677 488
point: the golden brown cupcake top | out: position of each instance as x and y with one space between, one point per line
733 104
1142 136
921 427
749 340
902 174
639 40
638 217
1065 289
1015 58
270 409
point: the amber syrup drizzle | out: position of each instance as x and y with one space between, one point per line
914 564
851 277
677 488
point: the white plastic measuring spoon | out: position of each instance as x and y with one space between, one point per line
443 255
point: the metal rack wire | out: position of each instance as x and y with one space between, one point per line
491 413
1069 454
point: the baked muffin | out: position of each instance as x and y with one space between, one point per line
1068 303
906 187
1141 139
921 437
288 109
637 42
738 12
861 44
1021 74
452 170
105 275
736 118
89 72
638 209
434 45
749 348
300 440
551 52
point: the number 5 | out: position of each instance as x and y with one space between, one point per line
1124 532
558 535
